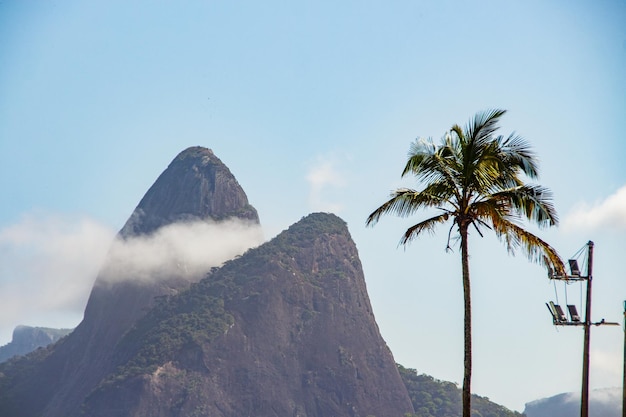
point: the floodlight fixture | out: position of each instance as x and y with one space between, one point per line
573 266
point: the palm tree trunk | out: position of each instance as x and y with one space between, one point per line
467 363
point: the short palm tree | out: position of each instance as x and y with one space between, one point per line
473 179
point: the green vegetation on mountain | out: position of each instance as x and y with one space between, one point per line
197 315
282 329
434 398
16 372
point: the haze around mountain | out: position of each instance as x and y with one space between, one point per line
605 402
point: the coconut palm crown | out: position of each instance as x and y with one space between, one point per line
474 179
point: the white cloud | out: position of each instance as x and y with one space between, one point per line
47 267
325 181
183 249
608 214
48 264
603 364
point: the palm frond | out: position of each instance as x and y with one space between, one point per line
492 211
483 125
495 166
476 178
431 163
535 249
518 153
419 150
479 170
458 131
485 172
476 222
504 223
531 201
403 203
427 225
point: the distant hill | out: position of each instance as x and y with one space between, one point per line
434 398
26 339
606 402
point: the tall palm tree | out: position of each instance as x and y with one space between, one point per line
473 179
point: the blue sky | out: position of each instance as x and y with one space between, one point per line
313 106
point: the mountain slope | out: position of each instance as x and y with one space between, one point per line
286 329
195 186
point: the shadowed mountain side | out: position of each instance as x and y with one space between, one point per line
285 330
195 186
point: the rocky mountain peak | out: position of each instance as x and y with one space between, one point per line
196 185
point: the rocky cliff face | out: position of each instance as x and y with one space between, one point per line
284 330
195 186
26 339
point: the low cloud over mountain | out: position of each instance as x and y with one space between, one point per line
48 266
187 249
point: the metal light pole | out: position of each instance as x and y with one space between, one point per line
624 381
560 319
584 396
